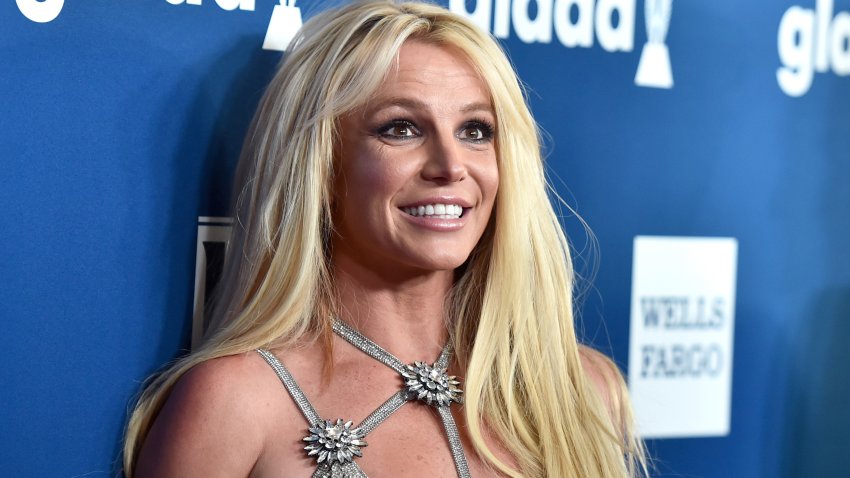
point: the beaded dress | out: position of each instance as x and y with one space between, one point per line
336 443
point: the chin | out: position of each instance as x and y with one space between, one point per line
443 263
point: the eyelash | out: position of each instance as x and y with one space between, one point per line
384 130
485 127
487 130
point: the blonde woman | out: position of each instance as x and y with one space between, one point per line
397 298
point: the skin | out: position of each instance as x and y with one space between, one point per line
424 135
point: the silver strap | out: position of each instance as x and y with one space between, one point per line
336 470
368 347
378 416
367 425
383 412
294 390
445 355
454 442
378 353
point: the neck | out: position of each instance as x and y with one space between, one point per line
403 312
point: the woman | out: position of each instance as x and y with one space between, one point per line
394 202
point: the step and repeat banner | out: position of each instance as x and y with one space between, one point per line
705 145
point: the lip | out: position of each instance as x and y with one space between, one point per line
440 200
438 224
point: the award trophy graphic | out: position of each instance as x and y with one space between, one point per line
40 11
654 67
285 22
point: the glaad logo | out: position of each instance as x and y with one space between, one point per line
224 4
654 66
576 22
40 11
812 41
284 24
570 34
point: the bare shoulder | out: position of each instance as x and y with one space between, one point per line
605 377
214 421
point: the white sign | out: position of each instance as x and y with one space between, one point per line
680 346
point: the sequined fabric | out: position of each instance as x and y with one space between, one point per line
338 465
348 470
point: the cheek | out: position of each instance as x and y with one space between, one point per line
491 188
494 185
371 179
490 181
383 172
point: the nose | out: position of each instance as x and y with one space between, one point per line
445 162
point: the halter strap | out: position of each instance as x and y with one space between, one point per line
378 353
428 383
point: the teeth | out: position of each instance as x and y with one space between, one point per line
439 211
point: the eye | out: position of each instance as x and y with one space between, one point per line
476 131
398 129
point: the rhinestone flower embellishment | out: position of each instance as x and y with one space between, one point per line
334 441
431 384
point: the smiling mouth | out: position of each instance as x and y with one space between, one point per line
436 211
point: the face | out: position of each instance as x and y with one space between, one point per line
417 173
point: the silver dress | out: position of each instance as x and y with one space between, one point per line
335 444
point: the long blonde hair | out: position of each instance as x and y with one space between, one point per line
510 310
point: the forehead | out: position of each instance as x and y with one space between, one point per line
433 73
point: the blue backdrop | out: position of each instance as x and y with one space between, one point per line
120 124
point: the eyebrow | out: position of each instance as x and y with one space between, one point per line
412 103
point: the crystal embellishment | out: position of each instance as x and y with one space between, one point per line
332 442
431 384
